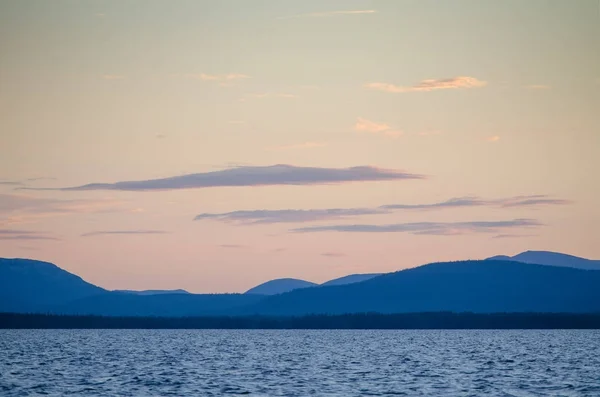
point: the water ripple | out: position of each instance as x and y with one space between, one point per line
299 363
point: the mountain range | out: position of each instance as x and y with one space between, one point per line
281 285
533 281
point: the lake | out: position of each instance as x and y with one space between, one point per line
299 363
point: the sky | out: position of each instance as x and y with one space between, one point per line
215 145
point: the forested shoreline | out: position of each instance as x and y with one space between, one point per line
436 320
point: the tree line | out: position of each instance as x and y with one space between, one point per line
434 320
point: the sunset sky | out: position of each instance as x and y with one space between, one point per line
214 145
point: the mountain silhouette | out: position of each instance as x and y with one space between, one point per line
27 284
551 259
152 291
279 286
477 286
486 286
170 305
282 285
350 279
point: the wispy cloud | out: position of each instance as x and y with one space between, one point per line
253 217
113 77
364 125
29 248
120 232
10 183
305 145
330 14
501 236
4 182
41 178
427 228
430 85
253 176
17 234
473 201
528 201
494 138
20 208
288 216
333 254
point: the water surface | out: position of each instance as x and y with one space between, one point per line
299 363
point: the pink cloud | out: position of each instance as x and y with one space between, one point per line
430 85
364 125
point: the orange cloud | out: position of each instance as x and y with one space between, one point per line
430 85
494 138
364 125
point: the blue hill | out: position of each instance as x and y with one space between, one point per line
26 284
350 279
552 259
476 286
279 286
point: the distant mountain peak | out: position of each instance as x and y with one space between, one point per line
551 258
350 279
279 286
32 283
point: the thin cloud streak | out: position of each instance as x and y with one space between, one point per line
333 254
364 125
502 236
254 217
19 208
19 234
121 232
427 228
430 85
253 176
472 201
42 178
330 14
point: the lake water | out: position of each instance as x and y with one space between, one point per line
299 363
